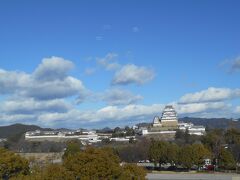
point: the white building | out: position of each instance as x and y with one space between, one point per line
88 136
157 122
169 117
192 129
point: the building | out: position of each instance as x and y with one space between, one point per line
192 129
169 117
82 135
168 124
157 122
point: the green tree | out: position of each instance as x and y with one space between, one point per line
199 154
73 147
232 136
179 134
172 153
158 152
214 140
226 160
12 164
186 156
133 172
94 163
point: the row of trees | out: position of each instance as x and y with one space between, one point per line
188 155
88 163
221 146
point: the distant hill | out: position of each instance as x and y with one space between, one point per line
17 129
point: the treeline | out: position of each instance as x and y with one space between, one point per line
78 163
187 156
221 146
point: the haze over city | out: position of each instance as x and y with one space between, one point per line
83 64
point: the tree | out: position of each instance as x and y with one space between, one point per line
214 141
55 171
133 172
12 164
186 156
226 160
179 134
232 136
73 147
187 136
200 153
158 152
172 153
94 163
134 152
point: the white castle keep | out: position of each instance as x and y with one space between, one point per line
168 119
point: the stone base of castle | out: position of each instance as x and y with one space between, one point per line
169 123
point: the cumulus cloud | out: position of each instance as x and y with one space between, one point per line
200 107
31 106
49 81
120 97
18 118
54 89
133 113
115 114
210 95
108 113
109 62
11 81
132 74
54 68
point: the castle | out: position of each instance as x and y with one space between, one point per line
169 118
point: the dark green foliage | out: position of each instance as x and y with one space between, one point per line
73 147
226 160
12 164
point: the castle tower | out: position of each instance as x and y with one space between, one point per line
156 122
169 117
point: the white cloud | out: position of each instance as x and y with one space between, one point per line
31 106
54 68
132 74
55 89
210 95
108 113
116 114
109 62
17 118
200 107
49 81
120 97
11 81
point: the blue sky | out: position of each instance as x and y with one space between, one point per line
86 63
